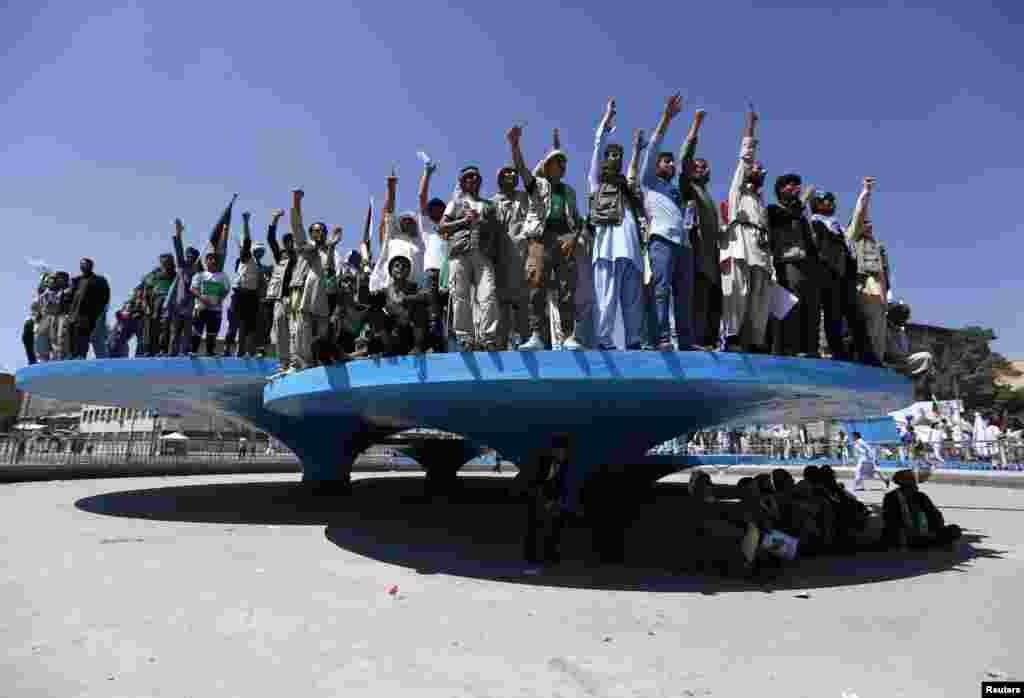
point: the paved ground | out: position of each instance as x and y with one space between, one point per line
244 586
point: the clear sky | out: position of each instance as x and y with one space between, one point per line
119 118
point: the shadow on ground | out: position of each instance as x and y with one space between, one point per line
476 532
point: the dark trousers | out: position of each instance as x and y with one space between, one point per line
860 349
798 332
435 338
231 337
28 340
180 323
81 334
707 311
153 329
672 267
206 321
832 307
124 330
266 323
246 304
544 523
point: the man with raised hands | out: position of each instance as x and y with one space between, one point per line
552 228
705 232
310 307
746 264
616 207
668 247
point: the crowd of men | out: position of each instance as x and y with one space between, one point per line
656 263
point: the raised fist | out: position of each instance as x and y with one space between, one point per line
674 105
246 216
276 214
179 227
514 134
869 183
611 110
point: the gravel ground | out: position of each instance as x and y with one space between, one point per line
244 585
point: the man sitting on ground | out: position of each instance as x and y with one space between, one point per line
911 519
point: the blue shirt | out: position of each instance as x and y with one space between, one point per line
662 200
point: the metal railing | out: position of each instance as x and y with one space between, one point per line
1003 453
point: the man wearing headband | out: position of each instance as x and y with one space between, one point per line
668 248
277 289
616 206
511 205
705 233
552 229
873 276
746 260
797 267
834 254
470 226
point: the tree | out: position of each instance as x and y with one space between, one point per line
971 368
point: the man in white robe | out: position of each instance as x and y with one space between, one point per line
746 263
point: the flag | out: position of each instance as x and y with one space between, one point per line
364 248
218 241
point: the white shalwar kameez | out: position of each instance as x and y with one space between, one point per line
617 271
867 458
746 280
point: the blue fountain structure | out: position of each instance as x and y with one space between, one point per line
615 405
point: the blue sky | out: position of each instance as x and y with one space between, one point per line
118 118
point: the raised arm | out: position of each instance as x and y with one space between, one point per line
599 143
632 174
689 147
556 139
298 229
856 230
748 153
428 171
275 249
672 109
513 136
246 253
179 250
389 199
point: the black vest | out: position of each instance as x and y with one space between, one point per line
831 248
791 237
